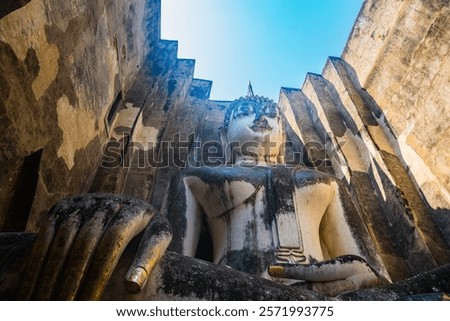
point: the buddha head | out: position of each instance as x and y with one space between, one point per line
253 125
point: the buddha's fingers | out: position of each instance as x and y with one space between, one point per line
38 253
82 251
94 225
57 254
129 222
154 243
336 269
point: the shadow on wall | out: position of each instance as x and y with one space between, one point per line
22 200
8 6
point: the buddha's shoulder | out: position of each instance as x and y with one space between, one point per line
219 174
305 177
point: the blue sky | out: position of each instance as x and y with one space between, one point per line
273 43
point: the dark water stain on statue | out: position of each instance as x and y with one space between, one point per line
176 192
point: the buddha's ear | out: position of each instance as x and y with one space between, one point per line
225 144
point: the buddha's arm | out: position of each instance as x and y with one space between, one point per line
351 236
350 260
185 215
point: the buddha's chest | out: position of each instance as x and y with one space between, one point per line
258 216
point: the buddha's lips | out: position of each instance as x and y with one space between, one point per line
261 127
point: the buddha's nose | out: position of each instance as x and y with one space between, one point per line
260 117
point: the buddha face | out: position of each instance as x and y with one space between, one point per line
257 123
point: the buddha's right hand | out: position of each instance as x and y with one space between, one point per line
81 242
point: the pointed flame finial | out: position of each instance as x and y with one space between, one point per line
250 89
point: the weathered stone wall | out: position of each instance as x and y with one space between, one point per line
179 134
400 51
152 134
62 64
